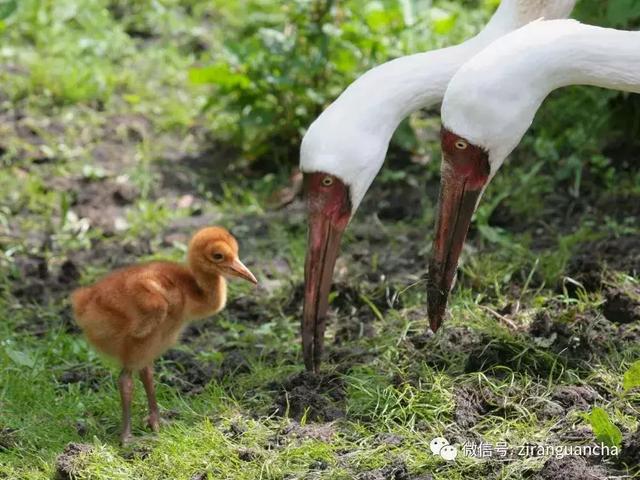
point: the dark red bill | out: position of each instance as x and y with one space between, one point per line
457 205
465 171
329 213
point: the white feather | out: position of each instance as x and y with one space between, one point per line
492 100
351 137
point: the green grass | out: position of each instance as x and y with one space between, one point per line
93 98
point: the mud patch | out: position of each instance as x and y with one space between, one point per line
234 363
185 371
36 281
322 432
570 468
472 404
245 309
491 353
318 398
445 348
356 316
578 397
396 471
85 375
8 439
578 337
592 259
103 201
622 305
630 453
69 463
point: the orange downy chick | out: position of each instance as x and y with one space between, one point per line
136 313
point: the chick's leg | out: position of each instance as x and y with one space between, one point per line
126 390
146 375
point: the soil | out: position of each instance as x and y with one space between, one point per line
68 463
318 397
622 306
395 471
86 375
630 453
592 259
185 371
570 468
438 349
8 439
579 337
389 439
37 281
579 397
471 405
234 363
103 203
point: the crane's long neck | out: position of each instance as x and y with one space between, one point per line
380 99
601 57
521 70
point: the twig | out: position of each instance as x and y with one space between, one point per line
506 320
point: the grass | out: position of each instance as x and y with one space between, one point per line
92 100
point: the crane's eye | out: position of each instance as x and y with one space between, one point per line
461 145
327 181
218 257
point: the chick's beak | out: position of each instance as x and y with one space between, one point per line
322 252
238 269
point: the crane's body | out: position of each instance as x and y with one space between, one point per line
344 149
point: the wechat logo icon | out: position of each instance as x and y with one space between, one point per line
440 446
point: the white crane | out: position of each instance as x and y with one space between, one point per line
345 147
490 104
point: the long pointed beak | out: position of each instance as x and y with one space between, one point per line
322 251
456 206
238 269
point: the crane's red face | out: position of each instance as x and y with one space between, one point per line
465 172
329 208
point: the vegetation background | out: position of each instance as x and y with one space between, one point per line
127 124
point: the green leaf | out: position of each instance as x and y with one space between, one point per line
632 377
7 7
604 429
221 75
21 359
442 21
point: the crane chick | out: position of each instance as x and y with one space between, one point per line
136 313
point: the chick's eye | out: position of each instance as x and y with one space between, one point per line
327 181
461 145
217 257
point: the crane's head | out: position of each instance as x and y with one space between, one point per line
489 105
464 173
339 164
476 137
